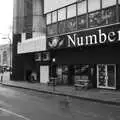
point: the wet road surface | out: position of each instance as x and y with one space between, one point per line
20 104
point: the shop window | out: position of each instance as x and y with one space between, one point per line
81 7
62 14
108 3
62 27
81 22
45 56
65 74
52 29
71 11
93 5
54 16
81 72
94 19
109 15
71 24
48 18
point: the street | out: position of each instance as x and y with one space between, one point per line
21 104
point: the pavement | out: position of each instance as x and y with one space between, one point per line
96 95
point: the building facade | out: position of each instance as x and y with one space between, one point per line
83 39
29 41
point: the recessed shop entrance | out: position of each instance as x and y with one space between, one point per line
106 76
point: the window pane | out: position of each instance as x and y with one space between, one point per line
48 18
54 16
52 29
71 11
82 22
93 5
61 27
94 19
71 24
119 1
107 3
61 14
109 15
82 8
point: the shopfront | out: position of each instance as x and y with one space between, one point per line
106 76
88 55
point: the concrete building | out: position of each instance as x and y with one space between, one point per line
29 41
83 38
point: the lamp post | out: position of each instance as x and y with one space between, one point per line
8 38
54 77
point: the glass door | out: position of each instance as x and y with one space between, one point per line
111 76
106 76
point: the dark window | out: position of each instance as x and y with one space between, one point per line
62 26
81 21
52 29
4 57
27 23
94 19
119 13
28 35
71 24
38 57
45 56
109 15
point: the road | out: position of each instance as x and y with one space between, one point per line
20 104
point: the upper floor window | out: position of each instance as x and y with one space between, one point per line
71 11
48 18
28 35
62 14
82 8
108 3
93 5
54 16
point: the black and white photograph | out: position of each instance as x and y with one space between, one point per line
60 60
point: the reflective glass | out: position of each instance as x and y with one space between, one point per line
71 11
71 24
108 3
54 16
81 21
109 15
94 19
62 14
93 5
82 8
48 19
52 29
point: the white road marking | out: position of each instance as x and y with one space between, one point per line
15 114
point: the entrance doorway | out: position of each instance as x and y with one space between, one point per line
44 74
106 76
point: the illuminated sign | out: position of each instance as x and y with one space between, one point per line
109 34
